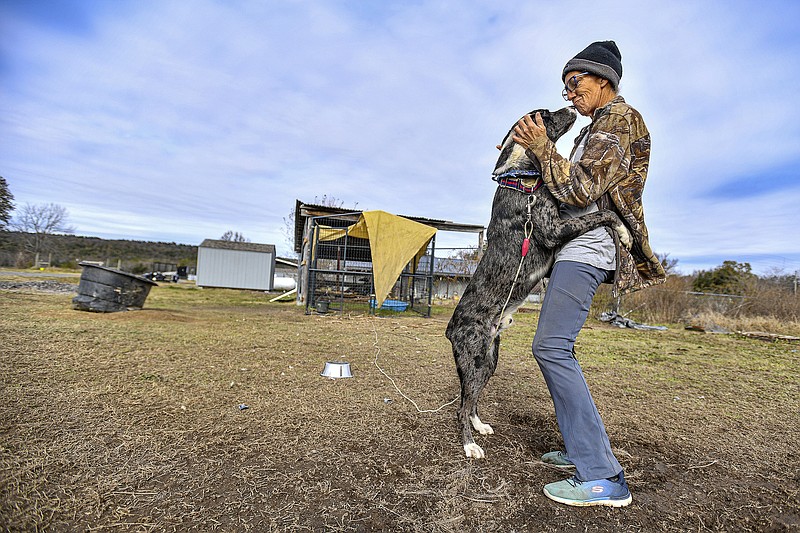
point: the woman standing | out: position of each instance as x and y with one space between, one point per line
606 170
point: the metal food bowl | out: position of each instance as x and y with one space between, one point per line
336 370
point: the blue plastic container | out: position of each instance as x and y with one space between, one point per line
390 305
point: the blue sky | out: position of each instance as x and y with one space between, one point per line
173 120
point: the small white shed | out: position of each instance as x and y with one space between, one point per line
235 265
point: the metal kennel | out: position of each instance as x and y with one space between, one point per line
341 275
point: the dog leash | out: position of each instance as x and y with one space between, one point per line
403 394
526 245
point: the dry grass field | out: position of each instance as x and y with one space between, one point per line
132 421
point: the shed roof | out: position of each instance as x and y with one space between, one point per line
240 246
287 262
303 211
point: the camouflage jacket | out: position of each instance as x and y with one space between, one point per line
612 171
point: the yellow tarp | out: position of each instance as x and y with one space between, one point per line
394 242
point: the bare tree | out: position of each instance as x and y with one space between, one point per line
461 264
288 231
233 237
670 265
39 222
288 221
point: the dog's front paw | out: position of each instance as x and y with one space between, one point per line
624 236
473 451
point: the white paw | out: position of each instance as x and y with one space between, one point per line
484 429
624 236
474 451
480 427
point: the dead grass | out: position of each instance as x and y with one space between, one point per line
767 324
132 422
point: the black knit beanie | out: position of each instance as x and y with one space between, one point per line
601 58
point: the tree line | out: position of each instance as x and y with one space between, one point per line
41 235
66 251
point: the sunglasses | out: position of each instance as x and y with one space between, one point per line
572 84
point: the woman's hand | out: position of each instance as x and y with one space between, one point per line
528 130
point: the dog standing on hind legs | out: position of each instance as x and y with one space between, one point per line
524 231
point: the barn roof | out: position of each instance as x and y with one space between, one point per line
240 246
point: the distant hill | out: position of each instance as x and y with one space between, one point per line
69 250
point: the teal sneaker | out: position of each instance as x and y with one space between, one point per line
584 493
558 459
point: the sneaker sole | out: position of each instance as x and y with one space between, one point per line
588 503
562 467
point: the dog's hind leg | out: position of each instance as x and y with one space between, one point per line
476 359
471 389
482 376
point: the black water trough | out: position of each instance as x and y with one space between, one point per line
107 290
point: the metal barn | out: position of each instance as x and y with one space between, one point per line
235 265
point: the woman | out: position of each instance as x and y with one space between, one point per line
607 170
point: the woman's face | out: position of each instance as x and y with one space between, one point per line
588 95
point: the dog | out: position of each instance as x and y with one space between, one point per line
504 278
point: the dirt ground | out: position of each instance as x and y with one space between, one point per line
136 421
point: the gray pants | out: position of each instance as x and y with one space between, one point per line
564 310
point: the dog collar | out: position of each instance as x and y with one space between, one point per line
516 179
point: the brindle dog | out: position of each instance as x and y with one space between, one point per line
500 283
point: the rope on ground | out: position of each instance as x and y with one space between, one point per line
375 361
